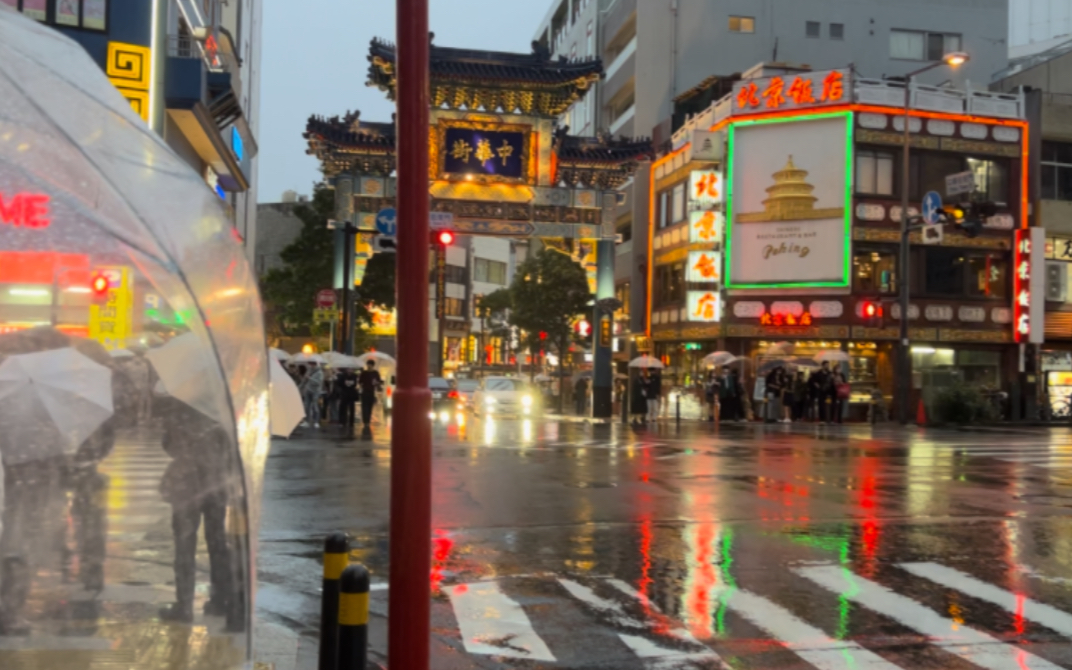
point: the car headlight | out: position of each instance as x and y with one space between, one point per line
526 400
488 400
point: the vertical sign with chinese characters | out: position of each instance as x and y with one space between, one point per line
1028 307
704 306
441 280
704 267
110 322
705 227
705 189
786 92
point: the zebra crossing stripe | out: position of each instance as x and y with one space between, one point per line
1048 616
804 640
493 624
969 644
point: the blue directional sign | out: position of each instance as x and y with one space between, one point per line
386 221
932 205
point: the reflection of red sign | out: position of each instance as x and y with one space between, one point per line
25 210
779 320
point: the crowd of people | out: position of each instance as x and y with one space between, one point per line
787 396
332 396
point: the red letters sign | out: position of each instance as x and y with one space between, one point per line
779 320
811 89
25 210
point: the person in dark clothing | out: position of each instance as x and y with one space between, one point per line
773 393
195 484
711 393
800 396
819 385
369 382
638 401
580 396
653 390
348 396
837 403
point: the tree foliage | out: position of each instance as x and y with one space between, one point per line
548 293
290 291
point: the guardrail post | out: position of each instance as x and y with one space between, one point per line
335 559
353 618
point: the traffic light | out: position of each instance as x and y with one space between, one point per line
99 285
971 217
872 313
443 238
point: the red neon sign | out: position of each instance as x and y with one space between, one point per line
1021 286
25 210
777 94
778 320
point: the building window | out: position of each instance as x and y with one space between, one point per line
621 292
453 307
987 276
875 271
1057 170
679 204
663 213
455 274
874 172
921 45
952 272
742 24
837 31
991 179
490 272
624 227
670 284
929 170
88 14
944 272
812 28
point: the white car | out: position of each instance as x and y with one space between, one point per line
499 396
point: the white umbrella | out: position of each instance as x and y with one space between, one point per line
719 358
646 361
831 355
779 349
337 360
278 354
285 401
307 358
51 401
381 359
189 372
120 353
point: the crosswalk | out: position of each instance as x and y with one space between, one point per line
1040 454
513 619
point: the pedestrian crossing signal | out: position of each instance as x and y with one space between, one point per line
872 313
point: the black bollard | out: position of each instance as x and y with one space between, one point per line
353 618
678 407
335 559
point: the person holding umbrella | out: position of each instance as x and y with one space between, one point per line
638 402
370 383
348 397
311 388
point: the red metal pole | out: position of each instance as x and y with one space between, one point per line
411 431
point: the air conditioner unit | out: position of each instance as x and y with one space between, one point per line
1056 281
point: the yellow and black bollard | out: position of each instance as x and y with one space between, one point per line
335 560
353 618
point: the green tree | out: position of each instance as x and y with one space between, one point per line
290 292
548 293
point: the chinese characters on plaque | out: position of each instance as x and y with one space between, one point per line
1028 285
779 320
705 189
704 267
784 92
484 152
705 227
705 306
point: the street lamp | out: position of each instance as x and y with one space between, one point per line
952 59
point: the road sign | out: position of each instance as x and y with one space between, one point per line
932 207
382 244
325 298
960 182
386 221
325 315
437 220
933 235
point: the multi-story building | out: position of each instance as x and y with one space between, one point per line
667 59
776 223
191 69
1047 76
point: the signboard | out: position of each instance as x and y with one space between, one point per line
441 279
960 182
325 298
440 220
705 227
1059 248
482 151
704 267
1029 286
110 323
1050 361
604 331
24 210
931 207
706 189
384 322
325 315
787 92
237 145
789 203
387 222
704 306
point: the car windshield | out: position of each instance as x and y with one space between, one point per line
438 383
468 384
503 385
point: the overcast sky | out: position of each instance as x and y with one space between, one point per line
314 61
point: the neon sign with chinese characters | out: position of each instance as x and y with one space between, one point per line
784 92
779 320
1028 286
704 267
705 227
704 306
705 189
25 210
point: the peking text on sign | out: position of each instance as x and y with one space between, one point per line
25 210
791 91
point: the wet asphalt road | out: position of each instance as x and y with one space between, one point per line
562 545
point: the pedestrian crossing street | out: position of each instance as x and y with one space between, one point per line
506 618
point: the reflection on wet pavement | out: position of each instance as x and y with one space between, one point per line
575 546
101 567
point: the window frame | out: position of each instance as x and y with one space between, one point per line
52 14
841 27
926 35
817 25
1055 165
921 266
876 153
868 250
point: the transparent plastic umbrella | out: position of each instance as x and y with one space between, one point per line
286 401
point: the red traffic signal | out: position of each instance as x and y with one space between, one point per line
444 238
871 310
99 285
872 313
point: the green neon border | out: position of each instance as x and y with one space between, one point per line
849 175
